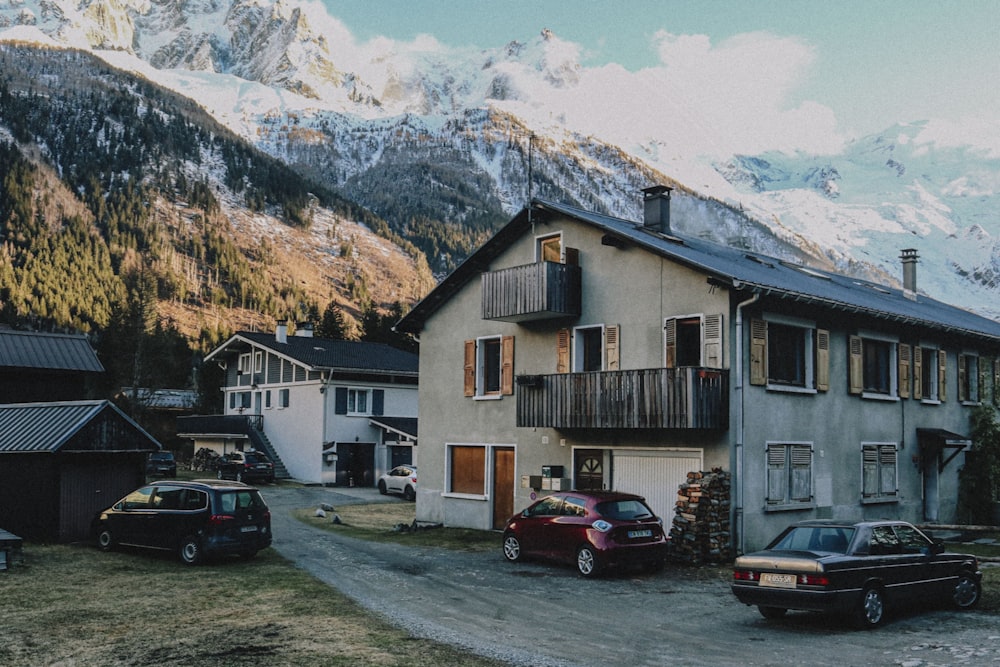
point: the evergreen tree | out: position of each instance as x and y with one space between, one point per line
333 324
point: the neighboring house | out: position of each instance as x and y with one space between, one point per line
37 366
159 409
577 349
62 462
310 403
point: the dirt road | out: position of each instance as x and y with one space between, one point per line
539 614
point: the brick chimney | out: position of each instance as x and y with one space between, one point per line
656 208
909 257
281 331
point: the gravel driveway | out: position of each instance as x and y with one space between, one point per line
539 614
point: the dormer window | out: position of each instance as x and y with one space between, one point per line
549 248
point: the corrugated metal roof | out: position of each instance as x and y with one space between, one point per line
33 349
46 427
325 353
738 268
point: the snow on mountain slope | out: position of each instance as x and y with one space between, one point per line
274 70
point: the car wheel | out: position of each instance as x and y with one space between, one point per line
871 609
409 494
381 487
511 548
586 561
190 550
771 613
967 591
105 540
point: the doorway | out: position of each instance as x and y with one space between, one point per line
503 486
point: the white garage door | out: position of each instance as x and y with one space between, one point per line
654 475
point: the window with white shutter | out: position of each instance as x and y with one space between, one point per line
879 479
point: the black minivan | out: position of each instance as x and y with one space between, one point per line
197 520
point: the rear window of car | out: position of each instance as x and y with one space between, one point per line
257 458
162 456
832 539
241 500
624 510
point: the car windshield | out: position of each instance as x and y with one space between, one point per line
832 539
624 510
161 456
241 500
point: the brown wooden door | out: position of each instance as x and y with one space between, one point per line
503 486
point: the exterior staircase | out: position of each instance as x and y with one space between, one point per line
260 441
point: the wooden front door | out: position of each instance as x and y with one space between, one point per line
503 486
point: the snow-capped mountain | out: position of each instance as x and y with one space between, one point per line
291 78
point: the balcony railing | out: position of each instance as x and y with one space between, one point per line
539 291
219 424
686 398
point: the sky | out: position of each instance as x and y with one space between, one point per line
870 63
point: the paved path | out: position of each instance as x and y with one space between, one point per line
545 615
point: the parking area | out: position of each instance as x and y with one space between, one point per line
539 614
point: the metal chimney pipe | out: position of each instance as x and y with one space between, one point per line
656 208
909 257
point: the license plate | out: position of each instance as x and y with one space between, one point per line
248 529
777 580
632 534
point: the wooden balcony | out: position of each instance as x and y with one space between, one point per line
539 291
653 398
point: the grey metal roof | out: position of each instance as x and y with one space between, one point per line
47 351
740 269
329 354
46 427
405 426
162 399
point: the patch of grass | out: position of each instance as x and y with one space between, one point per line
73 605
377 522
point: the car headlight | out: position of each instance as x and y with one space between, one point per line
602 525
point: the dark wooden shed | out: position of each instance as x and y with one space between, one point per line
60 463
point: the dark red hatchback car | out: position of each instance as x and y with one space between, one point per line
594 529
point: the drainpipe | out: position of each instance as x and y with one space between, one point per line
738 509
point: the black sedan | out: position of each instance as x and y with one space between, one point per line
854 569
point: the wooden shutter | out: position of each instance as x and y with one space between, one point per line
905 362
572 256
670 337
822 360
942 375
856 366
507 365
378 402
777 475
712 357
562 351
611 351
758 352
918 372
470 368
887 470
468 470
801 460
869 471
963 376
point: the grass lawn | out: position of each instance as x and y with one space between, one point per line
73 605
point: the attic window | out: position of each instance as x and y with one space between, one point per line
806 270
754 258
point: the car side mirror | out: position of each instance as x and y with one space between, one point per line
937 547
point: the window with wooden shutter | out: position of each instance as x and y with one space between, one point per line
942 375
713 341
470 368
507 365
905 360
562 351
822 360
963 377
611 352
879 480
855 365
467 470
801 482
758 352
777 475
918 372
789 474
670 339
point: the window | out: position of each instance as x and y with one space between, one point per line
550 248
239 400
467 469
968 378
267 399
693 340
258 362
594 348
244 364
873 366
878 472
789 475
929 373
358 402
789 354
283 399
588 348
489 366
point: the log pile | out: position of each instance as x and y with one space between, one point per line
700 531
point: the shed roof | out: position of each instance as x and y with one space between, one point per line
735 268
47 427
47 351
328 354
404 426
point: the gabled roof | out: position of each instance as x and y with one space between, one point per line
47 351
47 427
739 269
328 354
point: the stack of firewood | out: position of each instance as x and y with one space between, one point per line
700 531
